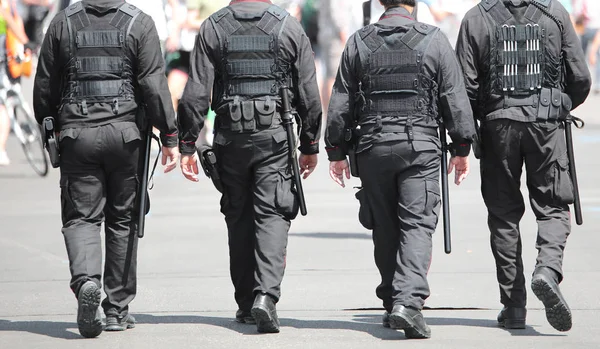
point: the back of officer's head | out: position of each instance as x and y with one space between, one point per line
391 3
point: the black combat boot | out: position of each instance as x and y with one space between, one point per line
244 317
89 320
411 321
512 318
119 323
265 314
544 285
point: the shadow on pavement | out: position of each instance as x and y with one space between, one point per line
330 235
367 323
52 329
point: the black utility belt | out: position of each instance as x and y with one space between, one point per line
551 104
362 130
248 116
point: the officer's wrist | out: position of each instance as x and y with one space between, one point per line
461 149
187 148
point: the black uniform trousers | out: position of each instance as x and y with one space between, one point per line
400 202
99 182
258 204
541 146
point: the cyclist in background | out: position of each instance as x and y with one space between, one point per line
12 39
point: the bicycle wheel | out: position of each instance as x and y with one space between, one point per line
32 142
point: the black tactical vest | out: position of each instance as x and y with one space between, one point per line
521 72
99 68
251 70
394 94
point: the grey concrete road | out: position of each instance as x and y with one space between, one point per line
185 297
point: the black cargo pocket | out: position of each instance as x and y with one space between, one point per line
365 215
265 111
563 186
432 199
131 134
286 199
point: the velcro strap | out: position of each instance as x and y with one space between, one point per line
99 64
391 103
371 39
268 22
499 12
248 87
228 24
99 38
106 88
247 43
394 82
533 13
523 58
250 67
77 16
407 61
413 37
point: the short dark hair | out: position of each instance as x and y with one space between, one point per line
388 3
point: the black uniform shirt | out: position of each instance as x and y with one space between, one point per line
149 76
294 48
473 50
439 64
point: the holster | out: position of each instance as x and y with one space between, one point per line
352 156
208 161
50 141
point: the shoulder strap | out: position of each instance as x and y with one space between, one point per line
125 16
416 34
496 9
539 8
224 21
77 18
369 36
271 18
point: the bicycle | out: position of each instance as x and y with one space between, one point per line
26 129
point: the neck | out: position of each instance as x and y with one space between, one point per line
410 9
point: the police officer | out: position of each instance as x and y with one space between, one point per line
524 71
99 63
397 80
244 54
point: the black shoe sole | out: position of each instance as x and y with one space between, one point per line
558 313
264 322
514 324
89 324
411 331
245 320
118 328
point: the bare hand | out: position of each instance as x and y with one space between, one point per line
337 170
189 167
307 164
592 57
169 158
462 168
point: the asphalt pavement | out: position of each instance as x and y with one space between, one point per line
185 296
